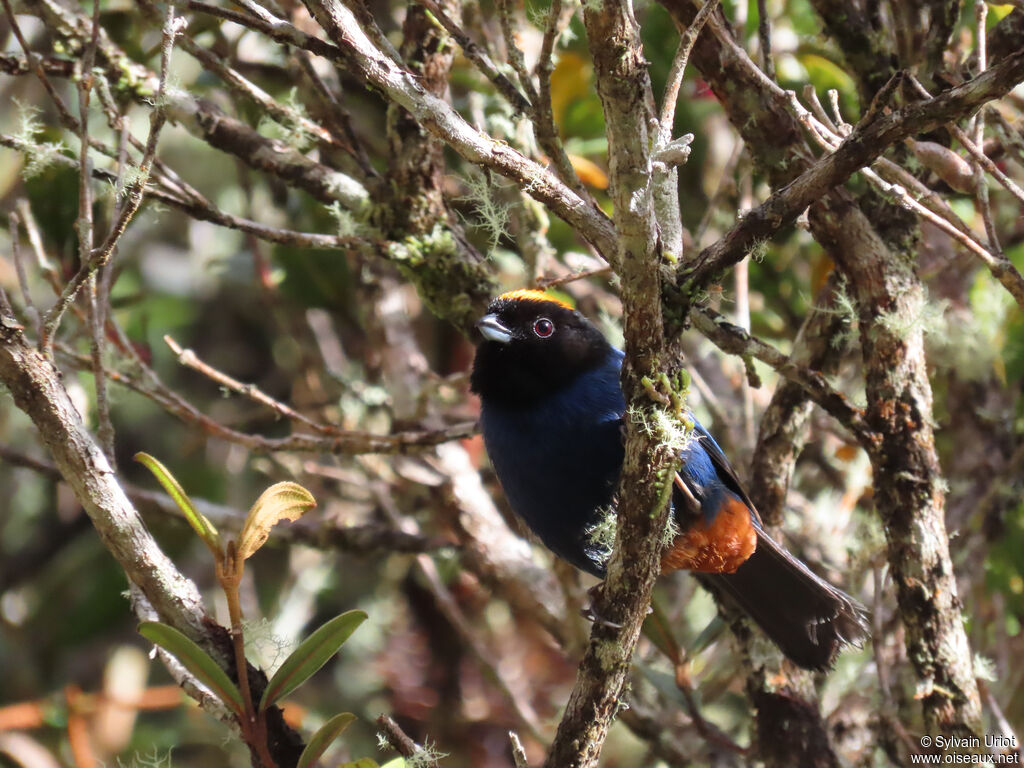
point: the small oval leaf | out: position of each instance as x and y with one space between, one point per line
196 661
312 654
323 738
281 501
195 518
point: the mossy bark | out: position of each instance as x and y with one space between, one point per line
624 88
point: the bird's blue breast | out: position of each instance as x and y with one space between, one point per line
559 460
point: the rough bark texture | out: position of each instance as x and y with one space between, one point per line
909 490
909 496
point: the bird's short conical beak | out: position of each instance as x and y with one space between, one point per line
492 329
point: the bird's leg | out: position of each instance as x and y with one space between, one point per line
590 612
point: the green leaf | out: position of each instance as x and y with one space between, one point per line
195 518
362 762
708 635
323 738
196 661
312 654
398 762
281 501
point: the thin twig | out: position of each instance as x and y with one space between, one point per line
1010 138
861 148
6 310
764 36
199 208
66 118
810 94
518 753
938 214
241 85
35 239
509 26
479 57
731 338
687 40
982 160
135 191
449 607
86 234
189 359
403 745
725 187
341 441
554 282
559 15
438 117
337 118
1000 718
19 267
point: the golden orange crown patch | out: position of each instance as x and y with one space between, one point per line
532 294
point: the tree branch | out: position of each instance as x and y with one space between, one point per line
382 73
865 144
624 87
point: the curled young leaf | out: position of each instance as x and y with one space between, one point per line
196 661
323 738
311 654
195 518
281 501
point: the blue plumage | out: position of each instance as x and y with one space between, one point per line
551 412
559 461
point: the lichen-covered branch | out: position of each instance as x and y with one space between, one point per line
624 88
898 417
434 114
909 488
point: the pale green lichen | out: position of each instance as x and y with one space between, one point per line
600 536
132 177
444 279
426 755
346 223
153 759
289 125
758 250
845 308
415 250
918 315
492 214
985 668
262 644
39 155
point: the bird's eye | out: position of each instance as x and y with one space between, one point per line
543 328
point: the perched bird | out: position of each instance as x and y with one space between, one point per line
551 412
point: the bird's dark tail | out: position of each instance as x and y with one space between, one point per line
808 618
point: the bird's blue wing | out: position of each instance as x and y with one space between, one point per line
726 474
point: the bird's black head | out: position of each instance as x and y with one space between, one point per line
533 345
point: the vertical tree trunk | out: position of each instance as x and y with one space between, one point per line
909 490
